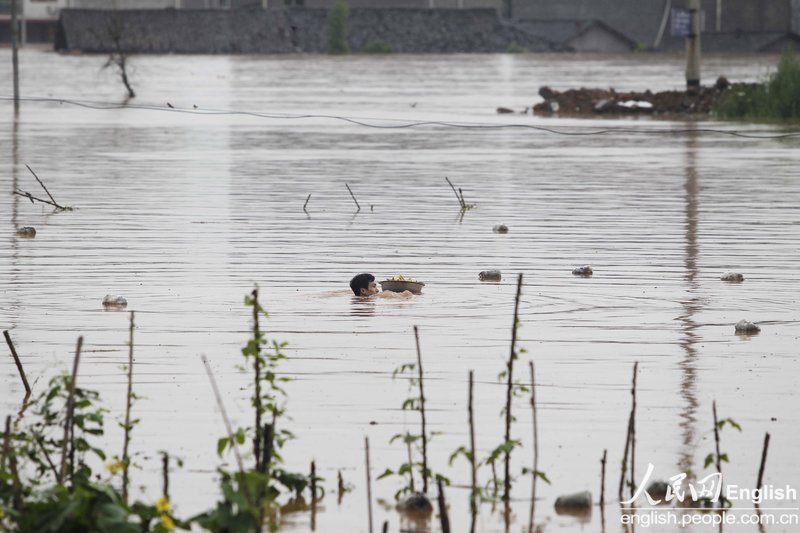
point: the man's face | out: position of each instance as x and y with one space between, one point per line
372 289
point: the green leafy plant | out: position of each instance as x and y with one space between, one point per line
774 99
250 496
514 48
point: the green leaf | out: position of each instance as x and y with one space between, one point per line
221 445
723 457
708 460
386 473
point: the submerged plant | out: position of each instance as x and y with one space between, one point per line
250 495
415 443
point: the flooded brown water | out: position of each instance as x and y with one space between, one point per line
183 213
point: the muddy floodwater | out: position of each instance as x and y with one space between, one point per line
183 212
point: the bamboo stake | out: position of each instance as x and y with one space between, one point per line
266 455
629 439
473 498
444 520
633 430
313 496
369 484
165 474
509 391
353 196
535 446
422 413
603 480
305 204
70 409
624 466
19 365
128 404
763 461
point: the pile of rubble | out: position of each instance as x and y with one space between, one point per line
583 102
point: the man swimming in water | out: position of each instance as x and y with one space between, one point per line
364 285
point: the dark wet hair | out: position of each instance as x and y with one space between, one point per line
361 281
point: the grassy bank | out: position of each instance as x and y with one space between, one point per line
777 98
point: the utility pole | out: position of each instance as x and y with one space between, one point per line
693 50
14 58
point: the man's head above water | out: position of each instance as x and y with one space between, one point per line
364 285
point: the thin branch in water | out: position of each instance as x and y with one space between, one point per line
352 196
19 366
306 204
33 198
70 409
43 187
459 198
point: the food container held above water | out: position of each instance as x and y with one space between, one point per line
401 283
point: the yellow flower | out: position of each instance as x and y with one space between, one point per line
167 522
162 504
114 467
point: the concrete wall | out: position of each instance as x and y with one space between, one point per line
748 15
597 40
638 19
260 31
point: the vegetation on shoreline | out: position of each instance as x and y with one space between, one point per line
337 29
776 98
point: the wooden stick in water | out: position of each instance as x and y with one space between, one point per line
43 187
473 498
70 410
353 196
422 414
305 204
19 364
763 461
633 430
444 520
165 474
369 484
603 480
